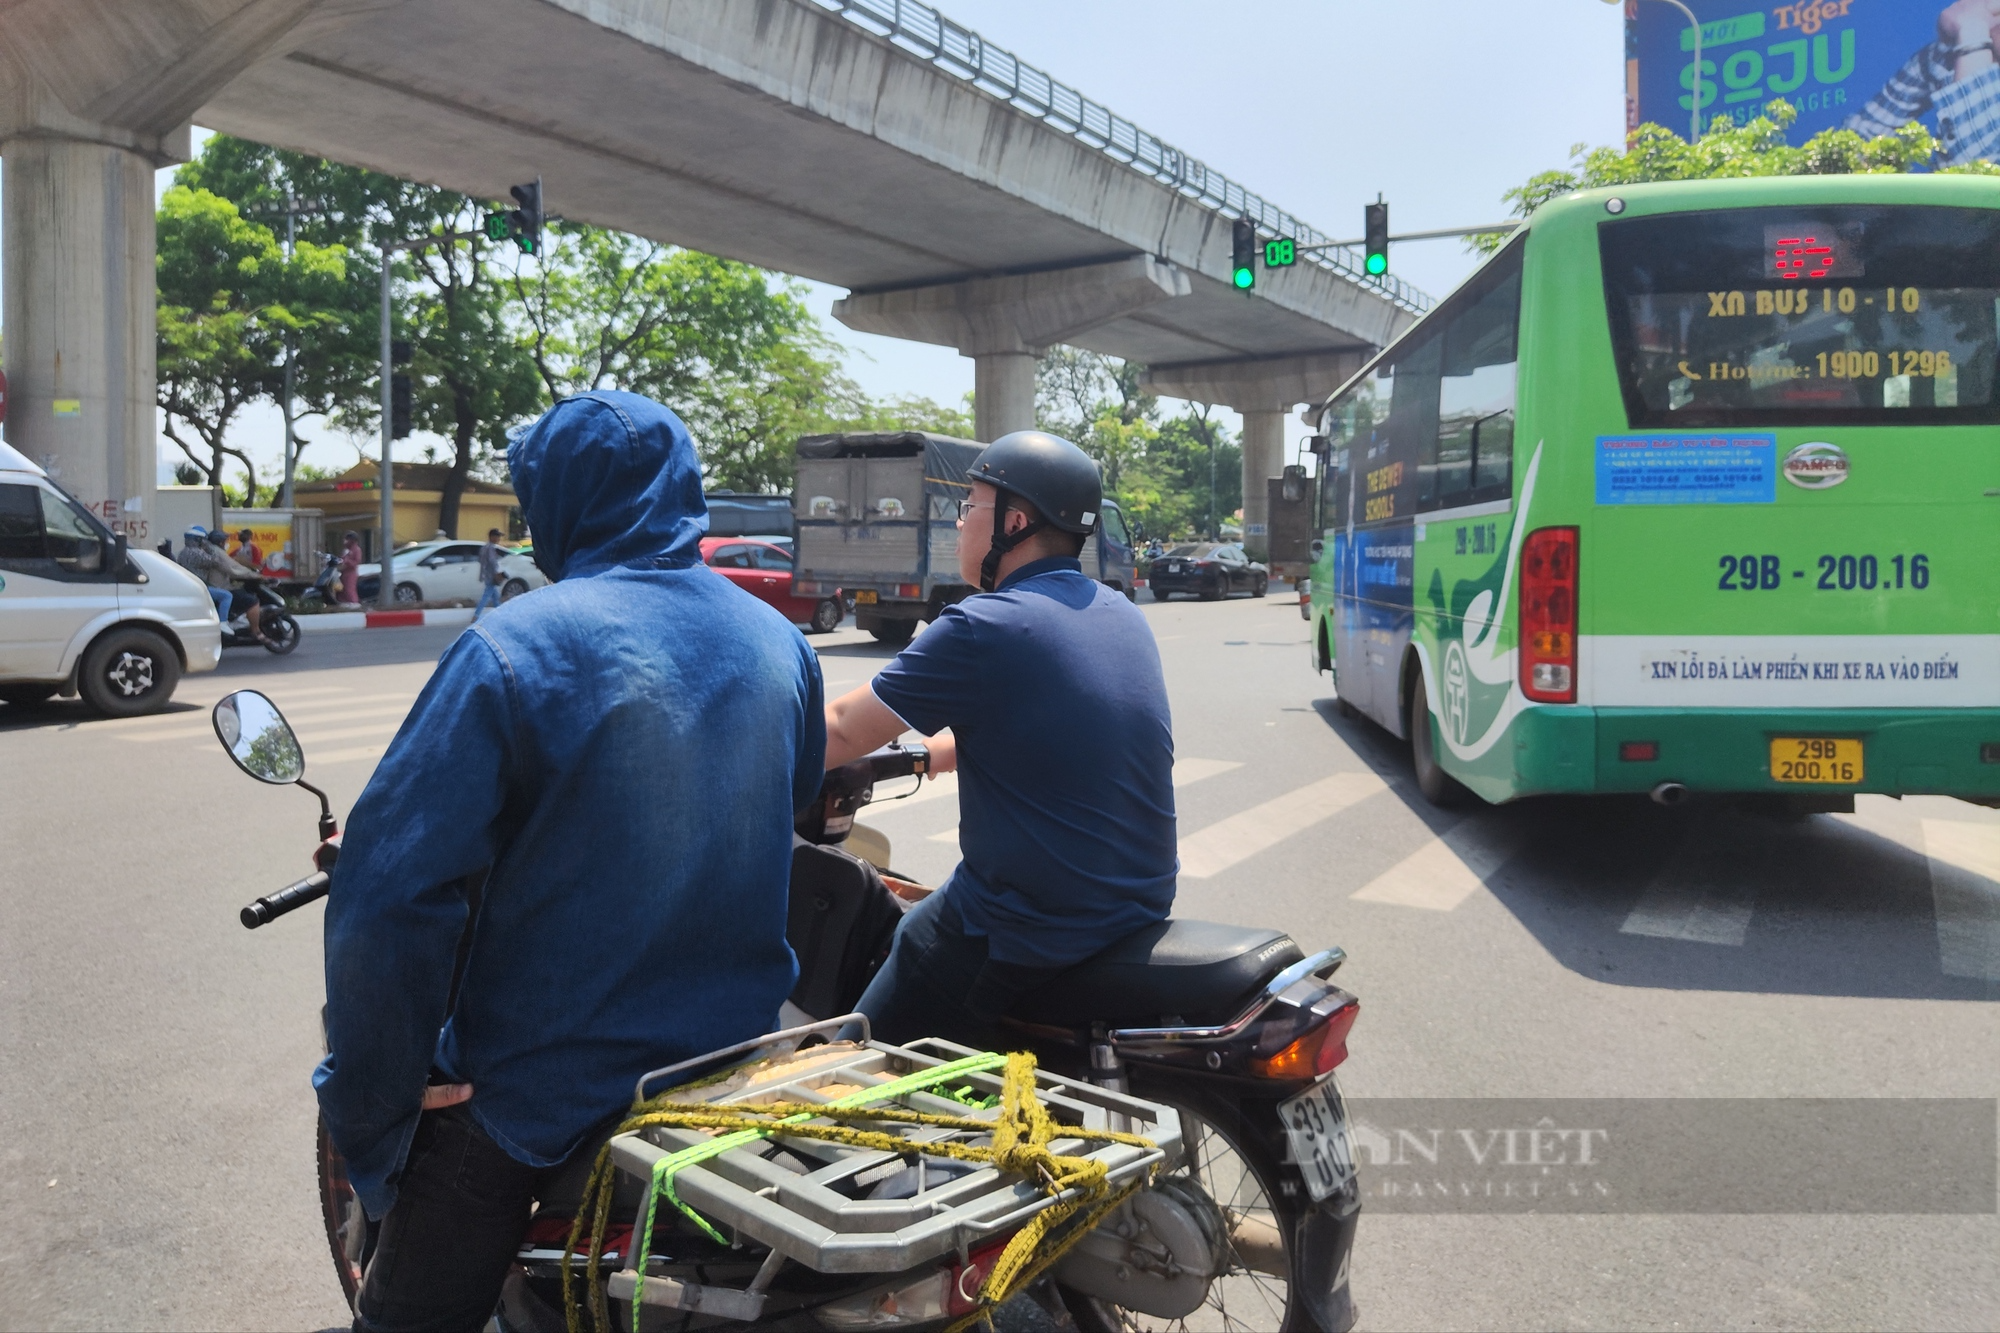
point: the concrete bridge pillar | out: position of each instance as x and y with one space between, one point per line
78 319
1264 391
95 96
1003 392
1004 324
1263 458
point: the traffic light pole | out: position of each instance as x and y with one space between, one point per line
385 560
385 592
1413 236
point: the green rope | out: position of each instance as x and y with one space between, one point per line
667 1168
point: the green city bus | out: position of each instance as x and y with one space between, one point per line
1691 487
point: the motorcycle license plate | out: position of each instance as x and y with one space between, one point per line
1316 1125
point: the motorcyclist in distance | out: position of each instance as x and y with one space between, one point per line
242 599
202 555
620 756
1051 686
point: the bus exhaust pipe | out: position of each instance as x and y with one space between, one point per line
1669 793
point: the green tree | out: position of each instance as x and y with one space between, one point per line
472 378
336 351
1755 148
229 299
1158 470
855 411
731 349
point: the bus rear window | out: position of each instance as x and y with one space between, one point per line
1806 316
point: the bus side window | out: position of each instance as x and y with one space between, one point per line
1338 466
1412 431
1473 453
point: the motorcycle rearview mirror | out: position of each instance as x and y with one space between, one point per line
264 745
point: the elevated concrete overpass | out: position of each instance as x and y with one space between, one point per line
962 197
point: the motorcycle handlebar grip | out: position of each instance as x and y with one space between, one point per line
897 761
268 909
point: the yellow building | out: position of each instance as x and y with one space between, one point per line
352 501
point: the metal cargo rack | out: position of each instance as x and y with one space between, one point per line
808 1199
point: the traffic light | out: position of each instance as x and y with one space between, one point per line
1244 265
1376 233
522 225
399 407
528 217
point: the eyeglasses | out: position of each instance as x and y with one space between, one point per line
965 508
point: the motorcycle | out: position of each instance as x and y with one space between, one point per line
1229 1035
281 629
324 589
1236 1028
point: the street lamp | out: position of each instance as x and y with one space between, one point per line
1694 127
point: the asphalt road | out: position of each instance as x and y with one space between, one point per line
1582 958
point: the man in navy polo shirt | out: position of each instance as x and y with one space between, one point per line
1050 685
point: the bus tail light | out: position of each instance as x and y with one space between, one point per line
1548 615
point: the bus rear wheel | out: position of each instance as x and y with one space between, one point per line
1439 787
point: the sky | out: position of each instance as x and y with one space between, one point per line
1318 105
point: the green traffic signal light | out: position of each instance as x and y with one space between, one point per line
1376 230
1243 254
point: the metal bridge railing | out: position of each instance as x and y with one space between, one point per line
921 30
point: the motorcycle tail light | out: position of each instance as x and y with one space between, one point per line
1316 1051
941 1293
1548 615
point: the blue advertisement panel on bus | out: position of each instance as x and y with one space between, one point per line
1865 65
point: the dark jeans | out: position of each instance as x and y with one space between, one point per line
938 982
443 1251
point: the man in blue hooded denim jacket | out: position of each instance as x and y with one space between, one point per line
625 750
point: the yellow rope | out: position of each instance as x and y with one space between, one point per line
1020 1139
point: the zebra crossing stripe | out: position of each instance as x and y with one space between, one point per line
1965 891
1447 870
1242 836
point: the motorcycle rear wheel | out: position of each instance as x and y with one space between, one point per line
1229 1165
340 1210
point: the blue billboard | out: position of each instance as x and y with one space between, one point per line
1866 65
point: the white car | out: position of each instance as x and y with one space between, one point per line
447 571
80 614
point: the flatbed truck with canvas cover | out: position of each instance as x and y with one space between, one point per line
877 517
1692 487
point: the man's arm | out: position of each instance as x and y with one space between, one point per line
858 722
396 911
1968 110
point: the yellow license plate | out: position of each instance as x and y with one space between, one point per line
1820 759
865 597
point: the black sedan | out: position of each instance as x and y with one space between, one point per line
1210 570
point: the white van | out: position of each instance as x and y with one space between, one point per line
81 614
